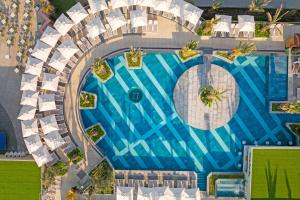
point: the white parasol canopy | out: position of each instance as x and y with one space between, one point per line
138 18
145 193
177 8
41 156
246 23
46 102
27 113
58 61
224 25
191 194
116 19
29 127
95 27
119 3
29 98
33 143
97 6
49 124
162 5
34 66
50 82
191 13
41 51
146 3
77 13
67 48
54 140
50 36
125 193
29 82
63 24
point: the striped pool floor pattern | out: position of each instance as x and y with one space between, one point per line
151 135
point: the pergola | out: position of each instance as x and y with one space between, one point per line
124 193
224 24
191 13
50 36
119 3
163 5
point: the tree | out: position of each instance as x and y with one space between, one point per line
47 7
216 5
209 25
71 194
210 95
244 48
257 5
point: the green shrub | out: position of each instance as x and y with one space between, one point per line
259 32
134 57
87 100
95 132
101 69
75 156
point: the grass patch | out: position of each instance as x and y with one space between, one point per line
62 6
259 33
212 180
87 100
75 156
134 60
20 180
275 174
101 69
95 132
103 179
186 54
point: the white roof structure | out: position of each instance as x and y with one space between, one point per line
27 113
63 24
177 8
29 82
67 48
29 98
224 25
138 18
97 6
246 23
125 193
41 51
50 36
33 143
95 27
116 19
146 3
58 61
46 102
49 124
119 3
54 140
77 13
41 156
50 82
191 13
34 66
163 5
29 127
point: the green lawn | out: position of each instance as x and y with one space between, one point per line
20 180
275 174
61 6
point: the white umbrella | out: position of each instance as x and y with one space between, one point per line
177 8
29 98
124 193
41 156
97 6
33 143
190 194
191 13
162 193
41 51
246 23
224 24
29 127
146 3
29 82
138 18
95 27
58 61
162 5
54 140
50 36
67 48
50 82
77 13
116 19
63 24
46 102
49 124
119 3
27 113
34 66
145 193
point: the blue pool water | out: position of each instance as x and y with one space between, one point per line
150 134
229 188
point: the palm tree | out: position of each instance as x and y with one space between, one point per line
192 45
257 5
135 54
71 195
216 5
244 48
210 95
47 8
209 25
290 107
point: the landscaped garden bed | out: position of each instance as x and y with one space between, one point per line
95 132
88 100
102 70
49 173
259 33
224 55
75 156
285 107
189 51
134 58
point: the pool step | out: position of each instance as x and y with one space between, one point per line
202 181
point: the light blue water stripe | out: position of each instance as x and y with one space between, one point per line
251 60
277 120
166 66
233 136
244 127
182 66
222 144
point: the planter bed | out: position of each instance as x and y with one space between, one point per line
95 132
75 155
185 58
103 77
259 33
92 100
130 64
223 55
275 107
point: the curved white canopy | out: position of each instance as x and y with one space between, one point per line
77 13
246 23
119 3
116 19
63 24
67 48
95 27
124 193
191 13
34 66
50 36
41 156
46 102
29 127
146 3
41 51
29 82
162 5
50 82
224 25
58 61
27 113
49 124
29 98
97 6
33 143
54 140
138 18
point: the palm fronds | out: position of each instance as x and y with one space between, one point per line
258 5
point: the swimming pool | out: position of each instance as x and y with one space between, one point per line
150 134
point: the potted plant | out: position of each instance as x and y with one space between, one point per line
87 100
134 58
102 70
95 132
210 96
